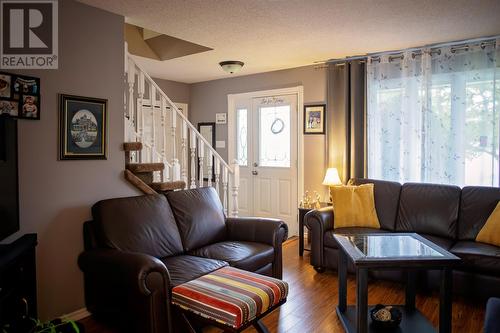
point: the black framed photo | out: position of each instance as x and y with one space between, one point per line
314 119
207 130
82 128
19 96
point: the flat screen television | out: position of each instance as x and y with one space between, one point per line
9 185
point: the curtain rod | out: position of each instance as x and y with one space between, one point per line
436 45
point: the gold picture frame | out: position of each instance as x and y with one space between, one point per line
83 123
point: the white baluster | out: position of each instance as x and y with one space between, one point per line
153 123
167 170
225 178
192 146
176 168
131 82
201 157
209 167
217 175
184 136
140 114
164 136
173 132
235 184
140 96
163 126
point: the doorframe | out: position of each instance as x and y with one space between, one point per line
231 135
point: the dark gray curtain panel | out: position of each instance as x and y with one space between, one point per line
346 118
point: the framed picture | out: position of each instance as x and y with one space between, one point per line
19 96
314 119
207 130
221 118
82 128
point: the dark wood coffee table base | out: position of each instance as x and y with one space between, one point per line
356 318
413 321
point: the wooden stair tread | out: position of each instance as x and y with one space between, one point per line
168 186
132 146
145 167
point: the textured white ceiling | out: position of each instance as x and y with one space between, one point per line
276 34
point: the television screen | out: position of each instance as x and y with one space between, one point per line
9 196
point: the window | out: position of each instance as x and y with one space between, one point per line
242 136
435 118
274 136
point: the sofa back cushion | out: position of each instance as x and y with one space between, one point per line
386 200
476 206
199 216
142 224
429 209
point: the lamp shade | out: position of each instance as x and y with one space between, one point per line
332 177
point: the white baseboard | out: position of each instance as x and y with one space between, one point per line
77 315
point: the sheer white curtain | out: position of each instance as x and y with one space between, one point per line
433 115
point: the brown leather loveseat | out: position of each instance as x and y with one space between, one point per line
449 216
137 249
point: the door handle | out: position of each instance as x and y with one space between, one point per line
255 164
255 173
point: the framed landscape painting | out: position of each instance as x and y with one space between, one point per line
314 119
82 127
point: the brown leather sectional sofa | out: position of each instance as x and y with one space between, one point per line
137 249
449 216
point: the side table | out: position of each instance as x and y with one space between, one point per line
302 213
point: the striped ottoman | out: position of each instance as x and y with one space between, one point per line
231 298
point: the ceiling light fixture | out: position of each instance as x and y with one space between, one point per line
231 66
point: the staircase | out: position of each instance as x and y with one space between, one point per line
163 150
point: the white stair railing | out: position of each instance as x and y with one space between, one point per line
154 120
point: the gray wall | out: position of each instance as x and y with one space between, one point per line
56 196
178 92
209 98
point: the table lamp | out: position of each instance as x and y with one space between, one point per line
331 179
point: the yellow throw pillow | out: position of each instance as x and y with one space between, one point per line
490 232
354 206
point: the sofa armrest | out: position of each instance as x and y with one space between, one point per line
272 232
133 288
124 269
318 221
255 229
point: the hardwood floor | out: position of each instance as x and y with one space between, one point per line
313 297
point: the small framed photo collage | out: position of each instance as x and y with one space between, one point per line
19 96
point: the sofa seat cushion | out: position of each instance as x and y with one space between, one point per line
478 257
184 268
249 256
329 241
444 243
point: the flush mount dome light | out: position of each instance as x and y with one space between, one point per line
231 66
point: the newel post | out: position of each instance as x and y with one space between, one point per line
235 184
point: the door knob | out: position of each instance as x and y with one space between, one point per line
255 173
255 164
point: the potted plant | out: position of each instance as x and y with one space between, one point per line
30 325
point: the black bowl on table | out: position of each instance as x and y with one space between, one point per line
393 322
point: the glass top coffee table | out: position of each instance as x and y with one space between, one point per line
401 251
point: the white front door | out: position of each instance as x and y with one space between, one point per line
266 148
